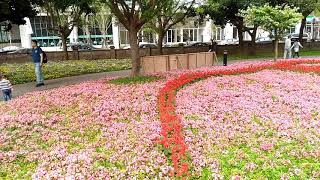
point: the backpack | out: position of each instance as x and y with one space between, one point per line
45 57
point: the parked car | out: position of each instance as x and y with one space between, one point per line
198 44
296 36
148 45
176 44
228 42
263 40
82 46
21 51
143 45
9 49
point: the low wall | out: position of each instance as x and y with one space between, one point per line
125 53
2 45
155 64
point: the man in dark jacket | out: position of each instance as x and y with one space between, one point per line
37 57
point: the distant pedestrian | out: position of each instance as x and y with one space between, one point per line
296 48
6 88
287 48
37 56
213 46
210 48
60 44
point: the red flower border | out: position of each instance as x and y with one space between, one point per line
171 128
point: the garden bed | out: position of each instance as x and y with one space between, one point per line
261 124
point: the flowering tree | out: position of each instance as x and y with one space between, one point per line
276 20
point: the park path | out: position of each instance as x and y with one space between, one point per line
22 89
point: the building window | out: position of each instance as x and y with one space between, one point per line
190 35
219 34
41 33
185 35
95 34
292 30
170 38
4 35
235 33
178 38
308 28
124 37
146 37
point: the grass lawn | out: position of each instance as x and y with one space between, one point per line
23 73
303 53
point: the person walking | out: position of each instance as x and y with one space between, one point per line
296 48
6 88
37 56
287 48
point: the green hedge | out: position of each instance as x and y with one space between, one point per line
23 73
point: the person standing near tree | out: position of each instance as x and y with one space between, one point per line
37 56
287 48
296 48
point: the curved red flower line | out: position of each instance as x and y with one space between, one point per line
171 127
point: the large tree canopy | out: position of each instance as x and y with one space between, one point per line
103 18
16 10
306 7
275 20
227 11
133 15
63 15
174 12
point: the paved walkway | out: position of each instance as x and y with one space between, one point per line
21 89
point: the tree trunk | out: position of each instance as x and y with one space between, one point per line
253 36
241 39
160 42
88 35
240 35
104 39
276 43
65 48
303 24
87 30
135 56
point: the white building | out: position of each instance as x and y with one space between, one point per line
37 29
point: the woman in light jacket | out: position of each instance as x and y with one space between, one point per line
296 48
